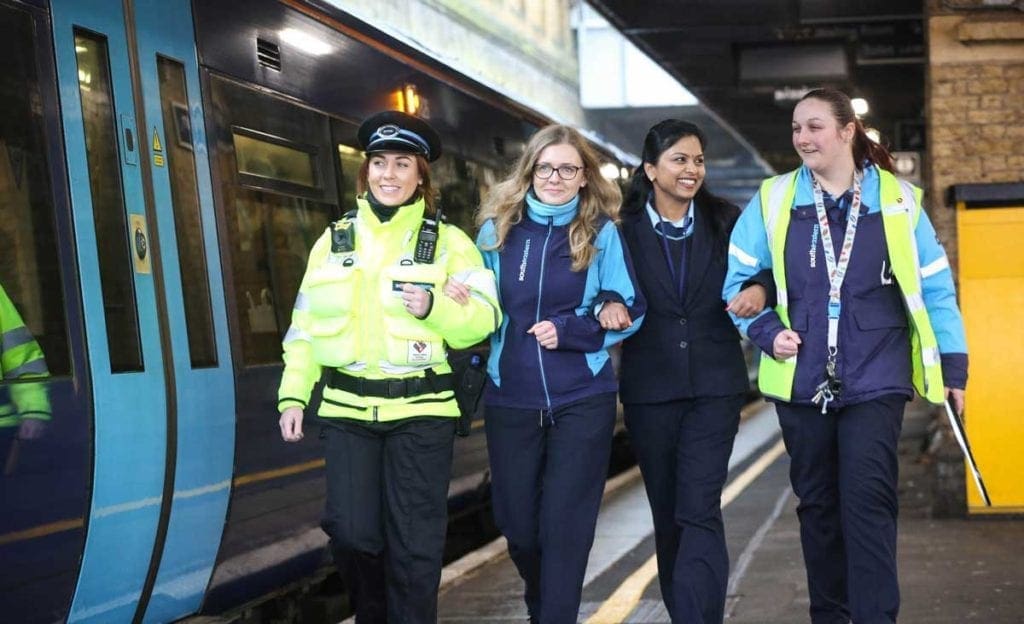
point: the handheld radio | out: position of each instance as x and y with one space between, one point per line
426 240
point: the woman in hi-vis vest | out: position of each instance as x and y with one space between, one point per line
367 316
866 315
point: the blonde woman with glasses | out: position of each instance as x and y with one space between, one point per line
549 233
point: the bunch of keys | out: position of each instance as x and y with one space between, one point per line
828 390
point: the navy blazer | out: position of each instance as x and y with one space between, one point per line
684 349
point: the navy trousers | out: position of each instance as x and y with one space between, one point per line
844 470
387 514
547 477
683 450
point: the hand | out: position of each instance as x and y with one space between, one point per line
457 291
957 398
416 300
614 316
786 344
545 333
291 424
32 428
748 302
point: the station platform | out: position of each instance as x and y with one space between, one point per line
951 570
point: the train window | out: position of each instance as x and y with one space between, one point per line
349 161
271 216
271 159
462 183
108 208
271 238
188 224
32 317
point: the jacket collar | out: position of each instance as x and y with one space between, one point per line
561 214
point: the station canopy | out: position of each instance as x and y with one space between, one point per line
748 61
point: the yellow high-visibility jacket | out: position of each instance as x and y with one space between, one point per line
20 358
349 316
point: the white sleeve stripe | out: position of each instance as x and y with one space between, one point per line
935 267
295 334
301 302
742 256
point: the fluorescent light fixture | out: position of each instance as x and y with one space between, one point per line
874 135
305 42
860 106
610 171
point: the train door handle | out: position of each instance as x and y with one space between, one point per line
128 144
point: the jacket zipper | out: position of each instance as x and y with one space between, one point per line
540 291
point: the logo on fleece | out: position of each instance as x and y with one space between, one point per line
419 351
522 263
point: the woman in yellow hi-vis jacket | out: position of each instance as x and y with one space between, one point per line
367 314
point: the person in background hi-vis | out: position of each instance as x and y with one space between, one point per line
24 406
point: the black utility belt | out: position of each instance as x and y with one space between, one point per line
431 383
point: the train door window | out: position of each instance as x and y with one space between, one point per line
188 224
32 317
101 138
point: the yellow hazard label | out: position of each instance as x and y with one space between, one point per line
157 145
158 160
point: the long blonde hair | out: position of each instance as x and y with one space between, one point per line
504 204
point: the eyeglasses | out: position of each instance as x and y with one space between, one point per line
565 172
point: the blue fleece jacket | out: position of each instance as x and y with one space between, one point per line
536 283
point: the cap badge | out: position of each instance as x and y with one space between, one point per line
388 130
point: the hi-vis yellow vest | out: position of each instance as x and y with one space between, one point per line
901 208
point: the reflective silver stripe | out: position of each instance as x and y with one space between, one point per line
15 338
935 267
35 367
930 356
742 256
301 302
295 334
395 369
909 197
479 280
915 303
782 297
355 367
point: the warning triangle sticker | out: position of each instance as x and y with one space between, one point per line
157 146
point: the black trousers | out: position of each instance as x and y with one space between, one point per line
683 450
547 478
845 470
387 514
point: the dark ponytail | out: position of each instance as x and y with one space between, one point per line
863 147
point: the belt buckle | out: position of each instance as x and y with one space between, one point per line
396 388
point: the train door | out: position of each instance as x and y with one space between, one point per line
152 298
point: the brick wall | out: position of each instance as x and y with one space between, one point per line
975 103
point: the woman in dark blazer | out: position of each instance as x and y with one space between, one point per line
683 375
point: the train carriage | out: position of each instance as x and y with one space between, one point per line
165 167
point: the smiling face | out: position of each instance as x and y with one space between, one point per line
678 174
554 190
392 177
818 138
